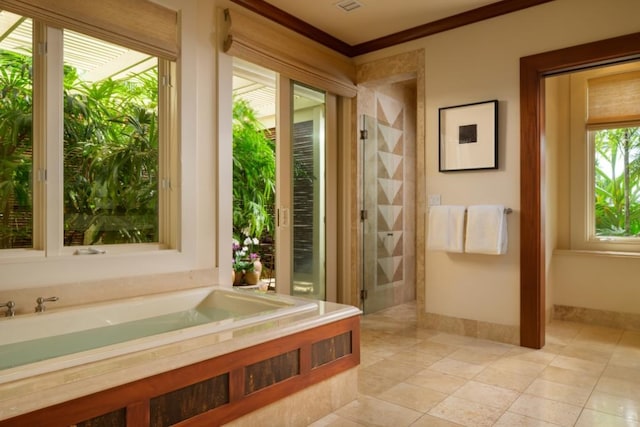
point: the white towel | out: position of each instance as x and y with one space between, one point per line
486 230
446 228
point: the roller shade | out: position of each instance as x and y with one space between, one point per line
138 24
272 46
614 98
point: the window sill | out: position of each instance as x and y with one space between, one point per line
596 253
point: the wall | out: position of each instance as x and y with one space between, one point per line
480 62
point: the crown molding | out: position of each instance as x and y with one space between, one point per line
289 21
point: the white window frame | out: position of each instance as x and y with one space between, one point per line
48 141
582 161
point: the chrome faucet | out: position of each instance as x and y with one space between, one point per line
10 308
40 301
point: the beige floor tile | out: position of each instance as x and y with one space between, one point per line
374 412
584 376
417 358
391 369
560 392
333 420
485 394
547 410
453 339
431 421
372 385
625 407
542 357
457 368
437 381
580 365
505 379
569 377
628 374
591 418
627 358
519 366
412 396
618 387
474 356
465 412
593 353
509 419
435 348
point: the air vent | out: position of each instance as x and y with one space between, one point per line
349 5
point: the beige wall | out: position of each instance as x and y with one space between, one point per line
481 62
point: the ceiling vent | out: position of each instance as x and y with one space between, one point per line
349 5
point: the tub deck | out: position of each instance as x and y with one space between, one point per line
245 367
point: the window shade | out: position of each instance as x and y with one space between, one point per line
272 46
614 98
137 24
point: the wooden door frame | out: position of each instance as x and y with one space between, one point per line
533 71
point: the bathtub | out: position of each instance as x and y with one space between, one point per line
56 339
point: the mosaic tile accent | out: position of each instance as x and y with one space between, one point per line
390 189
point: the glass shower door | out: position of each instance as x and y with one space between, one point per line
382 214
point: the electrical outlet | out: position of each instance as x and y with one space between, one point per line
434 200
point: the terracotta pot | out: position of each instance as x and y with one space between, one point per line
237 278
251 277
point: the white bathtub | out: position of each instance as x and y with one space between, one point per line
60 338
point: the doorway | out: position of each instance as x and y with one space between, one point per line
298 119
533 72
388 185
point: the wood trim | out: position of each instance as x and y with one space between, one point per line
135 396
289 21
475 15
533 70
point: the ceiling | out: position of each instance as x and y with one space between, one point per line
372 19
356 27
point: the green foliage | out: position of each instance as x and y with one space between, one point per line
617 182
15 148
111 160
254 171
110 155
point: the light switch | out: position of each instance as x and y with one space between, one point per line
434 200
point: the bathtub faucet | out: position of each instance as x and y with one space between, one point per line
40 301
10 308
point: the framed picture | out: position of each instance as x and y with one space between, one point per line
468 137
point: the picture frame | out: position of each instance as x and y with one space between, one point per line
468 137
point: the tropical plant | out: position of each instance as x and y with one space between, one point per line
617 182
15 150
254 170
110 156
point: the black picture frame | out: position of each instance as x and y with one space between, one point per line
468 137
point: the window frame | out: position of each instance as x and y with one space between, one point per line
48 142
582 164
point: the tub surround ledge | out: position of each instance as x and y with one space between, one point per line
326 325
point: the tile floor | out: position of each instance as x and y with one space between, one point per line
584 376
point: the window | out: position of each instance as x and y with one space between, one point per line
93 120
605 159
16 133
616 182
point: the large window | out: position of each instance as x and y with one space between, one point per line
605 159
85 136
